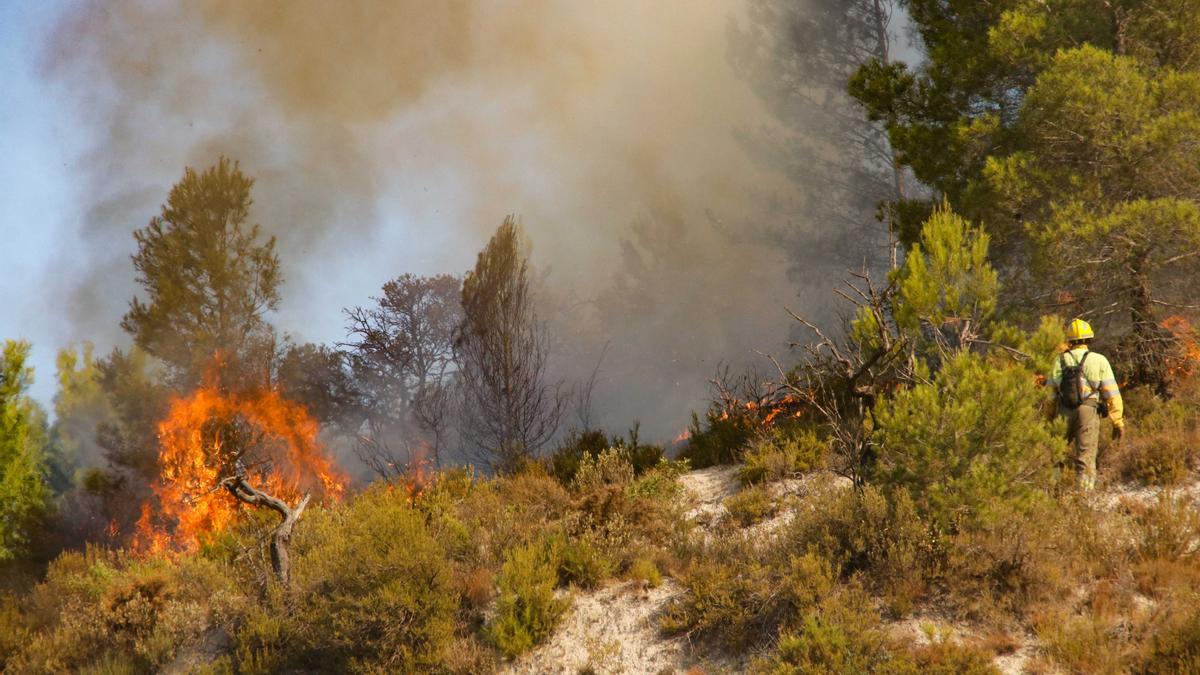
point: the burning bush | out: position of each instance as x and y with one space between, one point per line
208 441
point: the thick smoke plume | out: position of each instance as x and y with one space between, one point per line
394 137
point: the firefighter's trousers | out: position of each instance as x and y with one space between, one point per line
1083 438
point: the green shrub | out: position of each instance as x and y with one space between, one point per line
750 505
970 444
371 590
781 454
527 609
565 459
579 445
863 534
580 562
645 572
101 607
839 635
739 594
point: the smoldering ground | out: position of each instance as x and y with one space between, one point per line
394 137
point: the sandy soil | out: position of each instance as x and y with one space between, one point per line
610 630
615 629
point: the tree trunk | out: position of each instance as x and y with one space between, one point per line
280 560
1151 343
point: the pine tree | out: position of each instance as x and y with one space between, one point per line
24 496
209 279
502 351
1066 129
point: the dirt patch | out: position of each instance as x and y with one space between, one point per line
707 489
611 630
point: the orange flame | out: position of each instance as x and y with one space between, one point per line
766 412
683 436
1186 359
286 460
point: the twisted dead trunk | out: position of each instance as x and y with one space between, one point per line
282 536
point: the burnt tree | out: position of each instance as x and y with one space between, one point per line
401 353
510 411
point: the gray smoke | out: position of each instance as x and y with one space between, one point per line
394 137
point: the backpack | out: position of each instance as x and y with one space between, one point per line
1070 387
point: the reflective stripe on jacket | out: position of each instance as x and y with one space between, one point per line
1098 374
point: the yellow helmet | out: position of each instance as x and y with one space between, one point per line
1079 330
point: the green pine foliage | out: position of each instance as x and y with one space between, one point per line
209 277
24 495
971 444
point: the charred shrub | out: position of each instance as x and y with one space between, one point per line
721 439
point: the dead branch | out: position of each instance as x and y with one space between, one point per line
282 534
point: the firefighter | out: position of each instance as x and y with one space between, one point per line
1087 390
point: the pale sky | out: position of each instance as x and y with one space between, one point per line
39 146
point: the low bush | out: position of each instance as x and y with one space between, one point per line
1164 444
1175 647
1083 644
645 572
527 609
581 562
100 606
1167 529
739 594
564 462
885 543
838 635
721 440
782 453
751 505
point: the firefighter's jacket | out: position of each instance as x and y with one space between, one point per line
1101 383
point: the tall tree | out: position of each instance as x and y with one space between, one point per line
402 355
80 407
510 411
799 57
1065 128
209 279
24 495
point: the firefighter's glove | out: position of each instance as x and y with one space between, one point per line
1118 432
